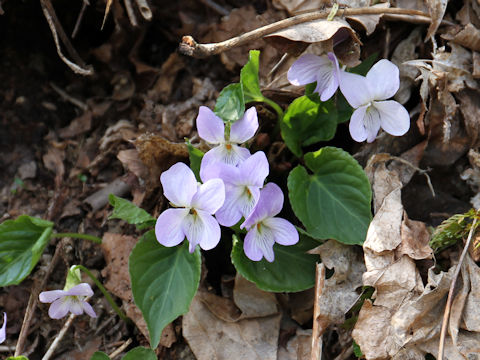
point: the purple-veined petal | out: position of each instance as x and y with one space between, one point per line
383 79
201 228
394 118
168 228
305 70
355 89
210 168
283 231
269 204
249 200
3 329
209 126
51 296
75 305
259 243
372 123
210 196
179 184
356 126
229 214
230 154
59 308
255 169
88 309
244 128
82 289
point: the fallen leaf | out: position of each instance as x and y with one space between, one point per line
78 126
370 22
53 161
437 11
468 36
470 110
298 347
415 240
131 160
252 301
210 338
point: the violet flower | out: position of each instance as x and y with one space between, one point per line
264 229
72 300
192 218
242 186
3 330
212 129
322 69
367 95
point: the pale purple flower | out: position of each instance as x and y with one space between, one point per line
264 229
3 330
194 206
212 129
322 69
72 300
242 186
368 96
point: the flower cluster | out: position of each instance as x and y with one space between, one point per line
366 94
68 300
232 189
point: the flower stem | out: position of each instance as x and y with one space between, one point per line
92 238
275 107
105 293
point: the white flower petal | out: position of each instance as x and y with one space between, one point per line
210 196
394 118
283 231
209 126
3 330
88 309
244 129
254 170
201 228
356 126
51 296
179 184
305 70
59 308
355 89
269 204
75 306
259 243
365 121
229 214
230 154
383 79
168 228
82 289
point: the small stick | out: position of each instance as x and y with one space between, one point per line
69 98
190 47
33 300
317 330
448 306
59 337
4 348
131 13
420 171
120 349
80 18
214 6
144 9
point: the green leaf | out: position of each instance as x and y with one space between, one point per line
22 242
334 201
230 104
140 353
365 66
292 270
344 110
21 357
308 121
195 156
356 350
249 78
164 281
310 88
99 355
131 213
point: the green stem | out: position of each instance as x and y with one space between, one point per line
275 107
105 293
78 236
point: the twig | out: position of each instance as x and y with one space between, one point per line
55 26
448 306
4 348
420 171
316 353
33 300
120 349
144 9
131 13
59 337
190 47
69 98
214 6
80 18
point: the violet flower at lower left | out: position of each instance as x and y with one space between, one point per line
65 301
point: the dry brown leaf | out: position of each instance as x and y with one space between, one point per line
298 347
222 307
131 160
476 65
415 239
370 22
437 11
470 109
166 79
468 37
53 161
210 338
252 301
301 305
79 125
339 291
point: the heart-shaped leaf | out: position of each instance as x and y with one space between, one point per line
334 201
164 281
100 355
292 270
22 242
249 78
140 353
230 104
